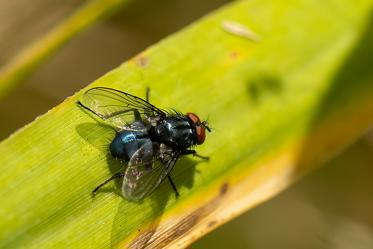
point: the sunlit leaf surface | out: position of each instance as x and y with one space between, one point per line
278 108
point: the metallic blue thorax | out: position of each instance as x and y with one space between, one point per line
126 143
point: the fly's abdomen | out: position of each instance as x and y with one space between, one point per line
126 143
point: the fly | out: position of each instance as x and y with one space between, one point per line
149 139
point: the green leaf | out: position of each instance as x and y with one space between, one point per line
278 108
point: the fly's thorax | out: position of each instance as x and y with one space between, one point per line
175 131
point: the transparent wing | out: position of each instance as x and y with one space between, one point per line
145 172
116 107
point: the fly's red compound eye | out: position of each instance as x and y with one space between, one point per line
193 117
200 129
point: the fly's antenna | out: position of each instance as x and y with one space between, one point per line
206 125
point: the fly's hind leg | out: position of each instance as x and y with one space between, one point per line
104 117
173 186
115 176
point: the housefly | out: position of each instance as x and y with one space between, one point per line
150 140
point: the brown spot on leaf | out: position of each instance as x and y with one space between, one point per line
234 54
142 239
212 223
184 225
224 188
142 60
163 237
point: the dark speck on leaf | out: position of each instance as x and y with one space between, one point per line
224 188
142 60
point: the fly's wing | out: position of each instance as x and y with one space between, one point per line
116 107
145 172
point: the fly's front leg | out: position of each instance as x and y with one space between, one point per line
194 153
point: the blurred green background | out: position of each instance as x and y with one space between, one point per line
330 208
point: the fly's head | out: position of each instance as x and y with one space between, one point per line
199 127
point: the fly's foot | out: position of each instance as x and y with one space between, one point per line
194 153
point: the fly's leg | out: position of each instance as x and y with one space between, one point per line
194 153
104 117
115 176
173 186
